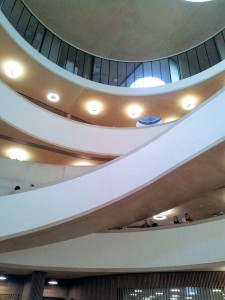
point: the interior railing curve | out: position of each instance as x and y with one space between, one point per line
105 71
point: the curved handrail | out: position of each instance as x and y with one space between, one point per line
105 71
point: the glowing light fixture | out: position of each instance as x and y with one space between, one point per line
189 102
94 107
147 82
17 153
83 163
53 282
159 217
13 69
134 111
170 119
3 277
53 97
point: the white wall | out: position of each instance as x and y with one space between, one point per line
70 199
73 135
179 247
14 172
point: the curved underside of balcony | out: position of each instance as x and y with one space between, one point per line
69 134
185 161
178 247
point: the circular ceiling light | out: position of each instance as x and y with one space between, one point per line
159 217
94 107
189 102
134 111
147 82
3 277
53 97
13 69
53 282
18 154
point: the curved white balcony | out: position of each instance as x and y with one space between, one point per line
182 247
69 134
173 166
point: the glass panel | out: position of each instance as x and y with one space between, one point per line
87 66
130 74
105 72
31 29
97 68
79 63
63 55
147 69
183 64
113 77
202 57
70 62
165 70
122 74
16 13
23 22
174 69
138 71
212 52
54 52
156 72
7 7
45 49
193 62
38 37
219 39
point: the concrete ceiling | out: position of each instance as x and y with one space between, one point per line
131 30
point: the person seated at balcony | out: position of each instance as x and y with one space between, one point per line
188 218
17 187
145 224
176 220
153 224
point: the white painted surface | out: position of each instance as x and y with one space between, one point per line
39 58
66 133
174 248
69 199
14 172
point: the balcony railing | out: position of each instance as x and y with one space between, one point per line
105 71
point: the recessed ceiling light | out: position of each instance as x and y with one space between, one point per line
83 163
53 97
53 282
3 277
13 69
94 107
134 111
189 102
17 153
159 217
170 119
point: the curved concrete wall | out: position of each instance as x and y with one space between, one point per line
179 247
66 133
77 197
101 87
